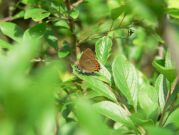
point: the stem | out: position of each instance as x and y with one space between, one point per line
72 27
162 121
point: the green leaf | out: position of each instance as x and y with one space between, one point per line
89 119
96 85
64 51
36 14
126 79
103 49
35 32
115 112
169 73
51 39
148 100
74 14
4 44
116 12
161 87
62 24
174 118
174 12
153 130
11 30
19 15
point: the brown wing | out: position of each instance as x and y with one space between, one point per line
87 62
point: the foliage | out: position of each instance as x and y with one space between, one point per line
42 92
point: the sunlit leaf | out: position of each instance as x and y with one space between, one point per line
148 100
103 49
11 30
4 44
126 79
36 14
115 112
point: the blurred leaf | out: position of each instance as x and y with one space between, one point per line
116 12
174 118
4 44
153 130
89 119
97 85
11 30
168 60
64 51
19 15
169 73
29 1
161 87
126 79
114 112
148 100
74 14
51 39
103 49
36 14
62 24
174 12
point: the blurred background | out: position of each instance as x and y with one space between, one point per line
40 41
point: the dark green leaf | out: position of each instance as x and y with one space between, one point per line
35 32
116 12
64 51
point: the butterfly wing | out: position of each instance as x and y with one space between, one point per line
88 63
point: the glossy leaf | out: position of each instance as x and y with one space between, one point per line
103 49
126 79
96 85
115 112
161 87
36 14
11 30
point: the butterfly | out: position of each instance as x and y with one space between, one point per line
88 62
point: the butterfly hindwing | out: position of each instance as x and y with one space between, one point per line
88 62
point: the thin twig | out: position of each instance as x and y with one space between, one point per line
77 3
